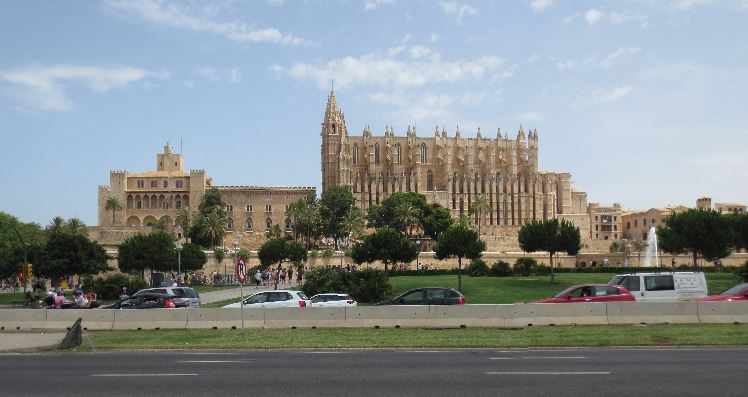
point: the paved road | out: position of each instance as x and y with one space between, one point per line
490 372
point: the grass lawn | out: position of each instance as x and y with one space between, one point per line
7 297
514 289
547 336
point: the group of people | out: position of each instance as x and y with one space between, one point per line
279 276
56 299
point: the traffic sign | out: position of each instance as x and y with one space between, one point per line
241 270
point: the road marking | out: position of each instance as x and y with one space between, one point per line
215 361
426 351
137 375
502 358
547 373
540 358
324 352
208 353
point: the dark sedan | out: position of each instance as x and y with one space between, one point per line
427 296
146 301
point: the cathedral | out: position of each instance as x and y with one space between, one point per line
451 171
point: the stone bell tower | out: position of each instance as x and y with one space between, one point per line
334 150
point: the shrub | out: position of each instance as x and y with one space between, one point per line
500 269
313 253
525 266
367 285
109 287
327 253
478 268
542 270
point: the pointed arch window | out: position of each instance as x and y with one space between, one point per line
248 224
398 150
355 154
376 154
424 157
288 223
430 181
229 223
268 223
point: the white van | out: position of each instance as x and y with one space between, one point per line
663 286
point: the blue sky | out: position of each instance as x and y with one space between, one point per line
643 101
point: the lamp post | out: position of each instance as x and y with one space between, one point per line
236 251
418 254
25 256
225 252
178 246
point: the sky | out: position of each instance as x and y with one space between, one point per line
642 101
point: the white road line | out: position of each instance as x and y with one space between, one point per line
137 375
426 351
547 373
216 361
324 352
207 353
554 357
502 358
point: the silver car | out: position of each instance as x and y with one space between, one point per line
186 296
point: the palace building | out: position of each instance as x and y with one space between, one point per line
450 170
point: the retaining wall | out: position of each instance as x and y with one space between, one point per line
494 316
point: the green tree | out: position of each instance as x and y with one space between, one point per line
739 224
215 225
113 204
68 254
219 254
12 244
76 227
57 226
436 219
335 203
184 220
160 225
192 257
408 215
354 224
386 245
459 242
478 208
209 223
551 236
154 251
272 252
395 211
639 246
698 231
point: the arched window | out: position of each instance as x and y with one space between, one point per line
138 203
268 224
248 224
430 181
376 154
397 153
229 223
424 158
355 154
288 223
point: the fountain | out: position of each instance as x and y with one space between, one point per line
651 249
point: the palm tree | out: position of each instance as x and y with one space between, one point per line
354 223
76 227
57 226
409 216
113 204
160 225
479 207
215 224
464 221
184 220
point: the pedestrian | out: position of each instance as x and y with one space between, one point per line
299 275
123 294
290 275
672 263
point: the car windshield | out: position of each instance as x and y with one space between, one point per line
617 280
302 296
185 292
564 292
735 290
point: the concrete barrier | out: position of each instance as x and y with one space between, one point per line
387 316
455 316
723 312
317 317
653 312
94 320
22 319
557 314
224 318
150 319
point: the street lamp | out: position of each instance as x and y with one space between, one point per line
418 254
236 250
225 252
178 246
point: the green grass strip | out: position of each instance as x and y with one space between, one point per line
544 336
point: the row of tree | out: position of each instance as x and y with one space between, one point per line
707 233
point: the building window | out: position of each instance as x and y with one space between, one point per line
249 207
229 223
595 218
597 228
430 181
229 208
635 222
645 222
268 208
355 154
286 207
166 184
139 205
628 225
397 154
141 184
376 154
615 228
248 224
424 157
180 184
154 183
615 218
288 223
268 223
178 204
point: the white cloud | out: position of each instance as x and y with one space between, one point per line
601 97
418 51
394 51
541 5
373 4
625 17
530 116
42 87
533 58
425 108
232 75
188 83
570 19
375 70
276 2
593 16
566 65
180 15
434 37
615 55
455 8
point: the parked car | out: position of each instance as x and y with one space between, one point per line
427 296
333 300
590 293
663 286
145 301
736 293
270 299
185 296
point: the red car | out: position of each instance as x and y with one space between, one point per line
736 293
590 293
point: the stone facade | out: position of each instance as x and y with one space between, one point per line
451 171
151 195
636 225
605 222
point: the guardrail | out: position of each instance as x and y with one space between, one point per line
497 316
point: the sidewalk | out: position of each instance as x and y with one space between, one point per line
29 342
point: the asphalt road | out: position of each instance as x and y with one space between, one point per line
488 372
